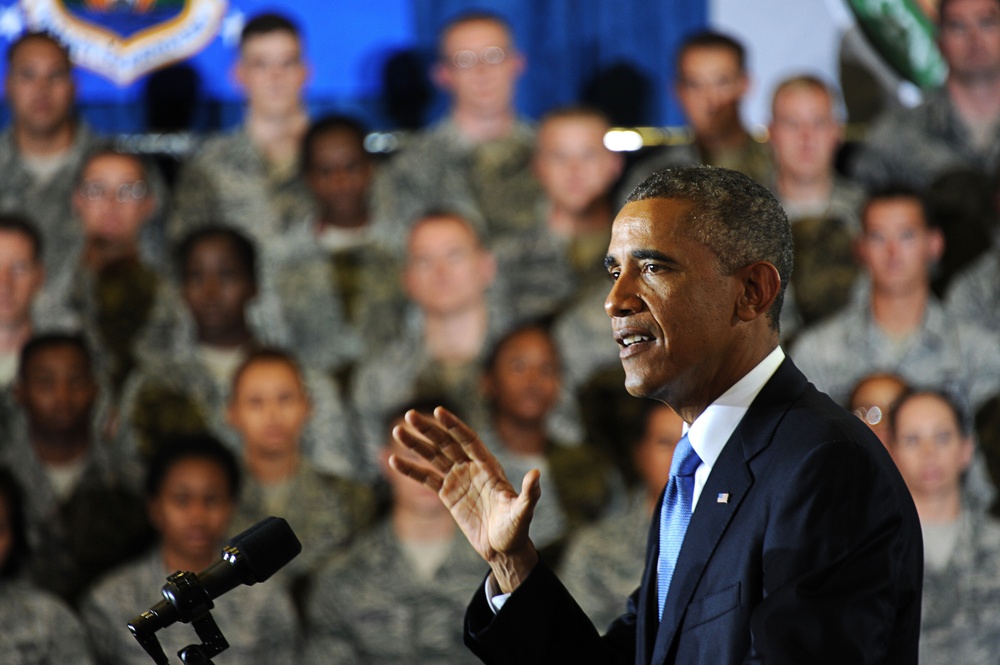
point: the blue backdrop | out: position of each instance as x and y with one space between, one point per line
617 53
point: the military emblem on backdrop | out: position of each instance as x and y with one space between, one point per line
125 39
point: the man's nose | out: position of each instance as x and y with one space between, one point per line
623 298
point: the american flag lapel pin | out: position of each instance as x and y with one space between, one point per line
723 497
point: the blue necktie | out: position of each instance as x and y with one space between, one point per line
675 514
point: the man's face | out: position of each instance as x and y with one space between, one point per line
929 448
269 408
710 86
673 312
897 246
193 508
969 39
58 391
216 288
40 88
272 73
21 277
805 133
572 163
446 269
479 67
340 173
525 381
113 200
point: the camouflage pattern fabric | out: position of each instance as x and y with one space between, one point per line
38 629
914 146
492 183
947 354
228 182
974 295
73 541
603 562
960 623
370 607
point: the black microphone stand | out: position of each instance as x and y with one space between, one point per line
185 592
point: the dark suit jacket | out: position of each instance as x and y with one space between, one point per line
814 557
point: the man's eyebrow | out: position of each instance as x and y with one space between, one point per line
642 255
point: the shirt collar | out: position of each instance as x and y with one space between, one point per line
711 430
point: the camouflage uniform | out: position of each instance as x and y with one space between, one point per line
116 308
583 332
752 159
914 146
362 281
948 354
258 621
324 511
542 272
403 371
38 629
228 182
172 392
825 266
73 541
974 295
490 183
603 562
48 204
960 623
370 607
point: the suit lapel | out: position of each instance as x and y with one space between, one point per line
731 476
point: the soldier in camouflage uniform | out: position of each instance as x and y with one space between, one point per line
711 82
544 268
81 518
823 207
191 492
397 597
477 160
916 341
183 382
952 128
603 562
42 150
38 628
269 408
932 448
250 179
338 246
449 323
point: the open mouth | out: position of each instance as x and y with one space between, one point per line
634 339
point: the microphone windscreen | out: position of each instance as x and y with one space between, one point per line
267 546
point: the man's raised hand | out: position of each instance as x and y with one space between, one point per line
473 486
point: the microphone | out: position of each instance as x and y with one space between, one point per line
252 556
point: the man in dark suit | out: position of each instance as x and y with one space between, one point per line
803 544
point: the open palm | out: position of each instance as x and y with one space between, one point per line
471 483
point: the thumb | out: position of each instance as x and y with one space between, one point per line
531 489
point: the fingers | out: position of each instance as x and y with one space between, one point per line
421 474
439 436
409 435
461 433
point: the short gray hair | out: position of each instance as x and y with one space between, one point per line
735 217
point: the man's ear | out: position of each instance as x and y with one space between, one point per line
761 285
